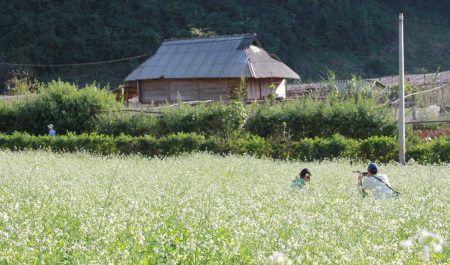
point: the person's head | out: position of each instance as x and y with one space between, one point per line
372 169
305 174
50 126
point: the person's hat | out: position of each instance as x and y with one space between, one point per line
372 167
50 126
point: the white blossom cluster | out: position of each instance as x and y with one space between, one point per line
425 243
209 209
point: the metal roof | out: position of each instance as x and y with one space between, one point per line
212 57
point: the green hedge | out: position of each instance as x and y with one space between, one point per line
70 109
299 119
214 119
381 149
436 151
117 123
302 118
310 149
93 110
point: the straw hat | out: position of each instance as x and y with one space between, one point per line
50 126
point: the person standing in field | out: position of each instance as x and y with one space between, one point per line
51 131
300 180
375 184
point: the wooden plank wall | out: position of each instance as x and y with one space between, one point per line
253 89
156 90
280 85
213 89
260 88
188 89
204 89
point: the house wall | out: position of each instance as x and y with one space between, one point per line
260 88
204 89
156 90
188 89
130 90
281 89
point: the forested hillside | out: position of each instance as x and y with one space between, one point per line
311 36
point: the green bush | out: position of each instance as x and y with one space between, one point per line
70 109
379 148
116 123
252 145
419 152
23 141
310 149
215 119
217 145
436 151
99 144
8 116
146 145
179 143
90 109
310 118
440 149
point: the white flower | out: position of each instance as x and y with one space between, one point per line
279 258
4 216
425 253
432 243
428 238
437 248
407 243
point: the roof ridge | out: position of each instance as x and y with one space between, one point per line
253 35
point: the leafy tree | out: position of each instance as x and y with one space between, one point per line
239 93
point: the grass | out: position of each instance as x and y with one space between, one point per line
200 208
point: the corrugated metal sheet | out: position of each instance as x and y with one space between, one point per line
213 57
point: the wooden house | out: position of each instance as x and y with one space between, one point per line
208 69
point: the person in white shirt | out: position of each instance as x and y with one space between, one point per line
376 185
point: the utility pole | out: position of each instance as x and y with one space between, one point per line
401 120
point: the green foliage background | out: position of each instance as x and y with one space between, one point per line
311 36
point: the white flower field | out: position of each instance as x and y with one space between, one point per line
209 209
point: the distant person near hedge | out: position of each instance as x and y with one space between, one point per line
300 180
51 130
374 184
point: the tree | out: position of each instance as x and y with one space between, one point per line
239 93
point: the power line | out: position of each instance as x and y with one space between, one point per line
429 23
415 22
73 64
420 92
388 21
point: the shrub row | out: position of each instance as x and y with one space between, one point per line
93 110
302 118
377 148
296 119
214 119
59 103
173 144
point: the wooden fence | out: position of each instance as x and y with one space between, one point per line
17 98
